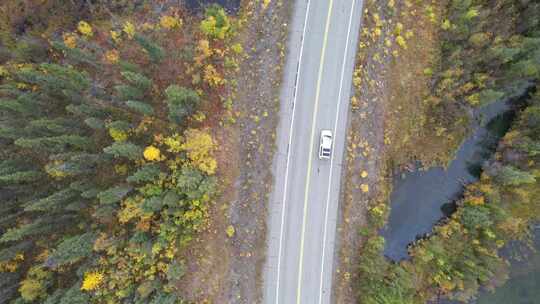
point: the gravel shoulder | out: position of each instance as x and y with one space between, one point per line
256 107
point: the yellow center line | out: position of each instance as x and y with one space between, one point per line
310 157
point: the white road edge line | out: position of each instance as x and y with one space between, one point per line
283 204
310 155
332 158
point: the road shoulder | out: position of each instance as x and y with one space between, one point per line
256 110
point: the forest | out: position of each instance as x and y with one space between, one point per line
489 51
107 166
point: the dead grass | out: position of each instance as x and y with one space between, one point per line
411 132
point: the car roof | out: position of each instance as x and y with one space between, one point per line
326 141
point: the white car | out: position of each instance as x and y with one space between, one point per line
325 149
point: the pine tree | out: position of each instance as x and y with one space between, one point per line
164 298
146 173
57 126
42 225
114 194
509 175
15 172
72 164
72 250
76 55
10 252
154 51
9 283
86 110
128 92
138 80
181 102
18 233
55 79
19 106
55 144
10 131
53 202
94 123
74 295
124 149
140 107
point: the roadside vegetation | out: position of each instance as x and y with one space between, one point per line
429 64
109 169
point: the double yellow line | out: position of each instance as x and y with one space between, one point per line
310 157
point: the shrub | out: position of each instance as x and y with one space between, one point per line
216 24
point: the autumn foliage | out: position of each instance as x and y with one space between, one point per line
107 173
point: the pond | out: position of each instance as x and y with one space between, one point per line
231 6
418 198
523 287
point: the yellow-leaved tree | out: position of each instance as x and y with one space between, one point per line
199 146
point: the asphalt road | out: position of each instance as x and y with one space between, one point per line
304 203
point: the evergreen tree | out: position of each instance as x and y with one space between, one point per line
140 107
138 80
114 194
509 175
146 173
94 123
74 295
128 92
154 51
14 171
72 250
53 202
181 102
55 144
124 149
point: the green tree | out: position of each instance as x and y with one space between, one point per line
140 107
72 250
53 202
181 102
113 195
138 80
56 144
509 175
147 173
216 24
154 51
124 149
128 92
